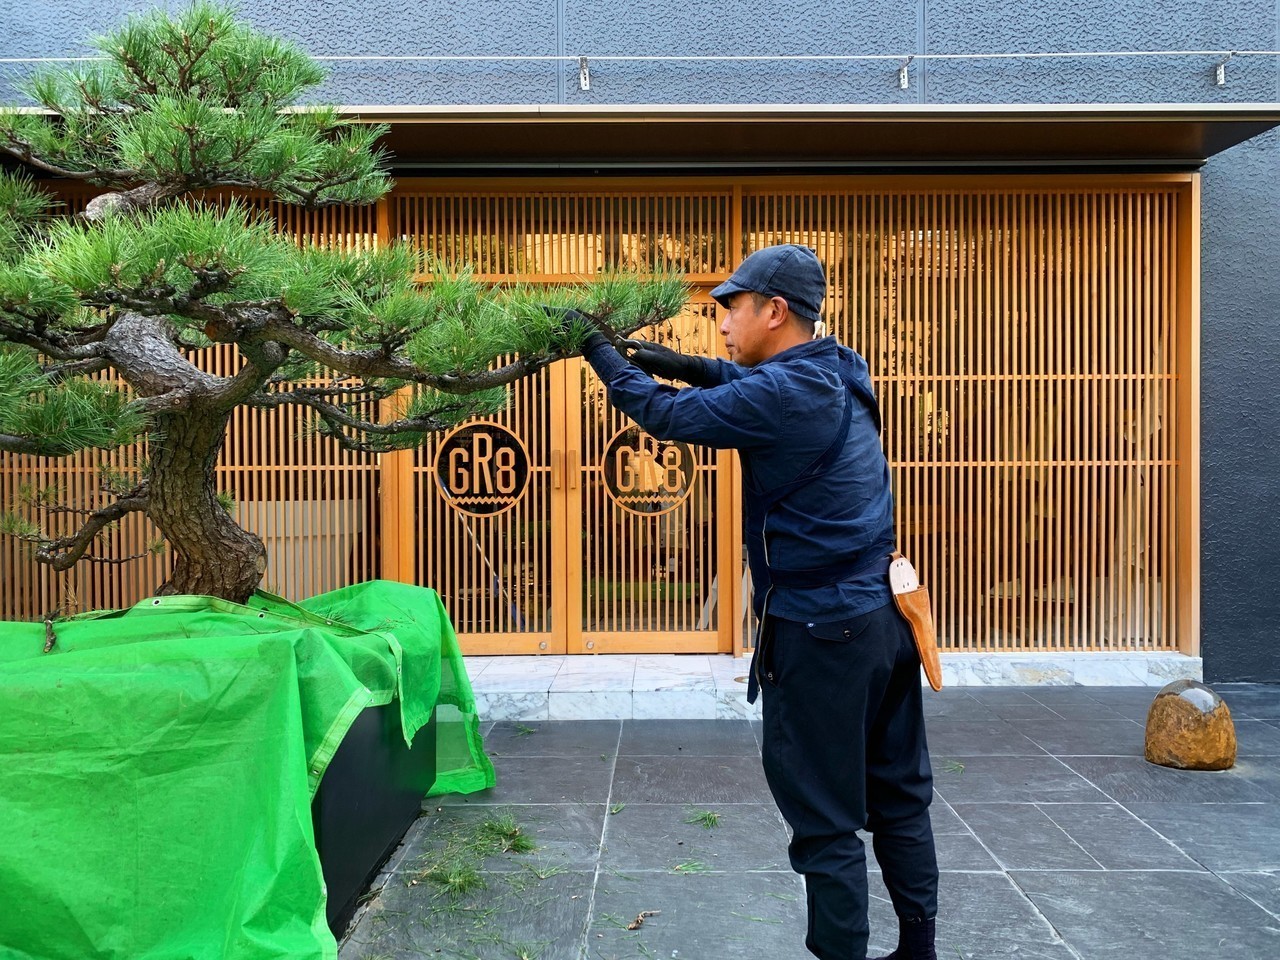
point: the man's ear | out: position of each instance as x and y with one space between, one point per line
779 312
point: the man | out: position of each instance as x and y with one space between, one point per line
844 740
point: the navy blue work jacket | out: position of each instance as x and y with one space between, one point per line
782 415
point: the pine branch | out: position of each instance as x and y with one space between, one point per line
133 200
12 444
20 149
64 552
310 198
337 416
336 388
262 360
376 363
76 368
137 72
91 558
50 343
113 483
337 422
66 509
153 302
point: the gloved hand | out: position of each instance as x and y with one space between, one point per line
565 318
660 361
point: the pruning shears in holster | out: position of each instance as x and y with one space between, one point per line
912 601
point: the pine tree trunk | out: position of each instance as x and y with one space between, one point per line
213 555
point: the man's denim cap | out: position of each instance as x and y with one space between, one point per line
788 270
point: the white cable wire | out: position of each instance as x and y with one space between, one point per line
783 58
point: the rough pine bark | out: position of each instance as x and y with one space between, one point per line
213 555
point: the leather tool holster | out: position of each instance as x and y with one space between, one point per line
915 608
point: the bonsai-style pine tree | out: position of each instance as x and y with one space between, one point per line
101 314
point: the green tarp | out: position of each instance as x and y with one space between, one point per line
157 766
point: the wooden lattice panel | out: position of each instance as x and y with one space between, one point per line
1033 347
575 563
1022 346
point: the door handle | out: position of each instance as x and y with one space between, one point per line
574 469
557 469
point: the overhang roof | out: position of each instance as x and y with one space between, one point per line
813 136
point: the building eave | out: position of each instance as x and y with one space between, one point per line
798 136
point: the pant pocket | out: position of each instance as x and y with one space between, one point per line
765 665
840 631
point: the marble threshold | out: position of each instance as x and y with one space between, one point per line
713 687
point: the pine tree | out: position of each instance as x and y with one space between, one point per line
179 112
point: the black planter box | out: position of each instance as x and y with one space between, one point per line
370 794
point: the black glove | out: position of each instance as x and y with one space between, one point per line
660 361
565 318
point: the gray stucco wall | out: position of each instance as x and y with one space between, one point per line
1241 208
1240 386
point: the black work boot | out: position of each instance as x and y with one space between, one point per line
915 941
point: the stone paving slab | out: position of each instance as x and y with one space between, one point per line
1133 780
698 916
547 780
978 779
1224 837
661 836
1262 888
697 780
568 835
563 738
1151 914
1258 738
512 914
686 738
1022 836
1117 837
981 916
972 738
1056 841
1086 735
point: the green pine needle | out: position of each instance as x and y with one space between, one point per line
705 818
16 525
505 835
61 418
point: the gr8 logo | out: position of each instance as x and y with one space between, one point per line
482 469
645 475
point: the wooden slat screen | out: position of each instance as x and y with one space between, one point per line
1025 345
1020 342
648 572
316 505
494 574
564 235
614 569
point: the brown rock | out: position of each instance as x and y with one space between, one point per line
1189 727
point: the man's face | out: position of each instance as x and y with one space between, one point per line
746 329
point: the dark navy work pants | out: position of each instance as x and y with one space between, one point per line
844 750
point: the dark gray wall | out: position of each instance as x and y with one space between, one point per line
1241 209
1240 386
